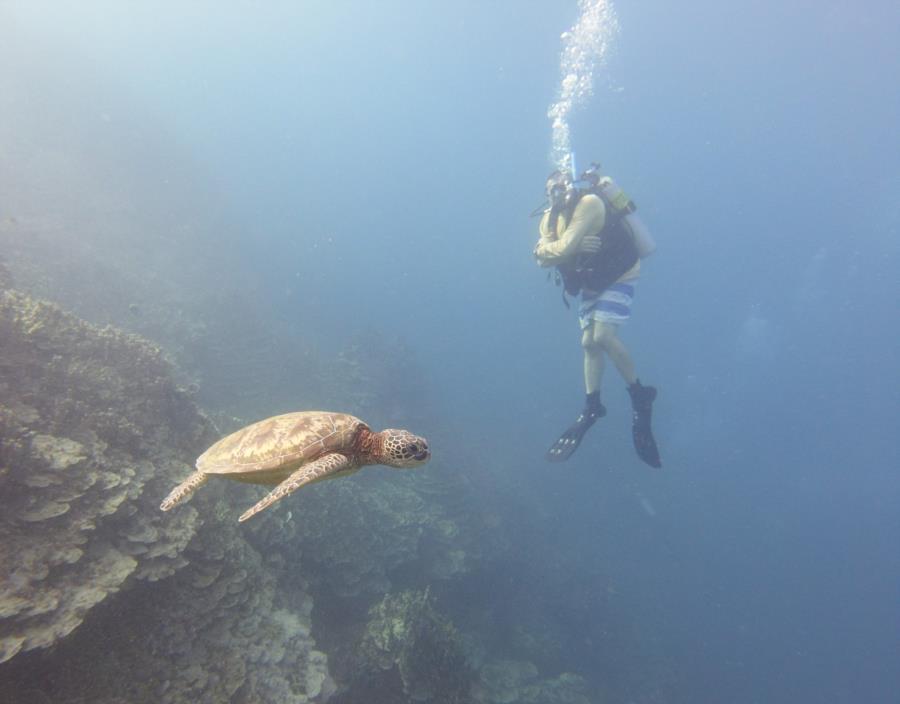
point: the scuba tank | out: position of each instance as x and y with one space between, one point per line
625 208
643 240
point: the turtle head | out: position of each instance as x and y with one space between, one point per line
402 449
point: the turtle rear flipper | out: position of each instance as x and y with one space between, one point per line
184 490
323 468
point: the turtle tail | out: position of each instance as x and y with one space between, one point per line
184 490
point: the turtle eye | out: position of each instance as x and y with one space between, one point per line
414 448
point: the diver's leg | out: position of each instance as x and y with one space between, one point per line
593 361
568 442
642 397
606 337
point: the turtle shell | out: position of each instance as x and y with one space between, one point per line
280 444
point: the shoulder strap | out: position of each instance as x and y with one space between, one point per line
613 216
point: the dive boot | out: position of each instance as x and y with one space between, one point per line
569 441
642 398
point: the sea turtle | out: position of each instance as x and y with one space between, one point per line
296 449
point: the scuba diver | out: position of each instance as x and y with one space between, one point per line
592 236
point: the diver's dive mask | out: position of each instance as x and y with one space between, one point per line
558 187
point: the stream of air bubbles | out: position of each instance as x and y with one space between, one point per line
584 50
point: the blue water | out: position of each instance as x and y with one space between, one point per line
376 164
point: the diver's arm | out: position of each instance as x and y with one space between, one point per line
546 235
588 218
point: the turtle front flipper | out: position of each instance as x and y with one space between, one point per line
184 490
323 468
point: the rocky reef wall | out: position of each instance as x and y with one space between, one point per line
93 432
91 429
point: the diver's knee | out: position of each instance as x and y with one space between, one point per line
589 344
604 335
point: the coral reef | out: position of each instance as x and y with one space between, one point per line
89 421
140 605
517 682
408 645
222 622
385 526
218 631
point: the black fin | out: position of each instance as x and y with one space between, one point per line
642 398
569 441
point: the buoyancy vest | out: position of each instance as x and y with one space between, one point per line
599 270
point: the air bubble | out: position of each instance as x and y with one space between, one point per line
584 48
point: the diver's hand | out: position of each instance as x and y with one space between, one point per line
590 244
539 253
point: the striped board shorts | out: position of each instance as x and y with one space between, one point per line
612 306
